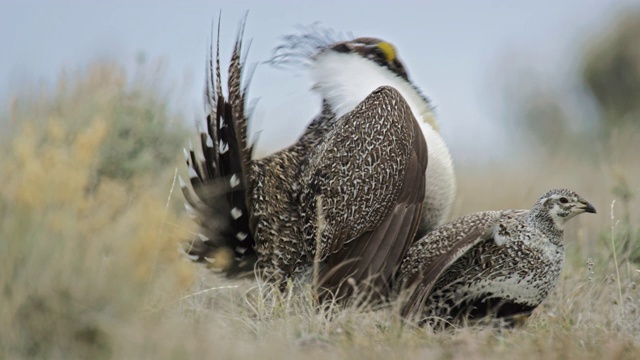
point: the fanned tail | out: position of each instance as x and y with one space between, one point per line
219 182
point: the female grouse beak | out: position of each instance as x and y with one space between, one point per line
587 207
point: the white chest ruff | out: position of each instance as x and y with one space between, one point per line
344 80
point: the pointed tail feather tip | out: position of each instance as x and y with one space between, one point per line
192 172
236 213
234 181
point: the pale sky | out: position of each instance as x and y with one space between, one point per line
456 51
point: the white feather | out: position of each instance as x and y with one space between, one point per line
236 213
441 180
223 147
234 181
497 238
344 80
192 172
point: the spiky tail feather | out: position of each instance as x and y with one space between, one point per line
220 181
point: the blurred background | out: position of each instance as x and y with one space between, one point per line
98 98
503 76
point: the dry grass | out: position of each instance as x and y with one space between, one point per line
89 267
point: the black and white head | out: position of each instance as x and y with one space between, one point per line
560 205
377 50
344 72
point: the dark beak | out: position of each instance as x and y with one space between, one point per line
589 208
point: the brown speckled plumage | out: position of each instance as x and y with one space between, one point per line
494 263
274 203
345 72
370 173
366 168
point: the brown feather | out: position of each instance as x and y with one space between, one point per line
423 281
379 147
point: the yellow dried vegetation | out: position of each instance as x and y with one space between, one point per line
79 250
90 224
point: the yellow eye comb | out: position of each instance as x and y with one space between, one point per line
388 50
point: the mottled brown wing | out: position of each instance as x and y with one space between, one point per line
430 257
369 175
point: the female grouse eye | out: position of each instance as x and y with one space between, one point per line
563 200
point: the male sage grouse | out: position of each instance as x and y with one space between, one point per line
347 196
493 263
345 72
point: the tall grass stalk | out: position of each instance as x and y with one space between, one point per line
613 249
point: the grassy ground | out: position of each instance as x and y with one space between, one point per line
89 223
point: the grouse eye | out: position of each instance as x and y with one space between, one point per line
341 48
563 200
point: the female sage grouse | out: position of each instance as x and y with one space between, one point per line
493 263
348 195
